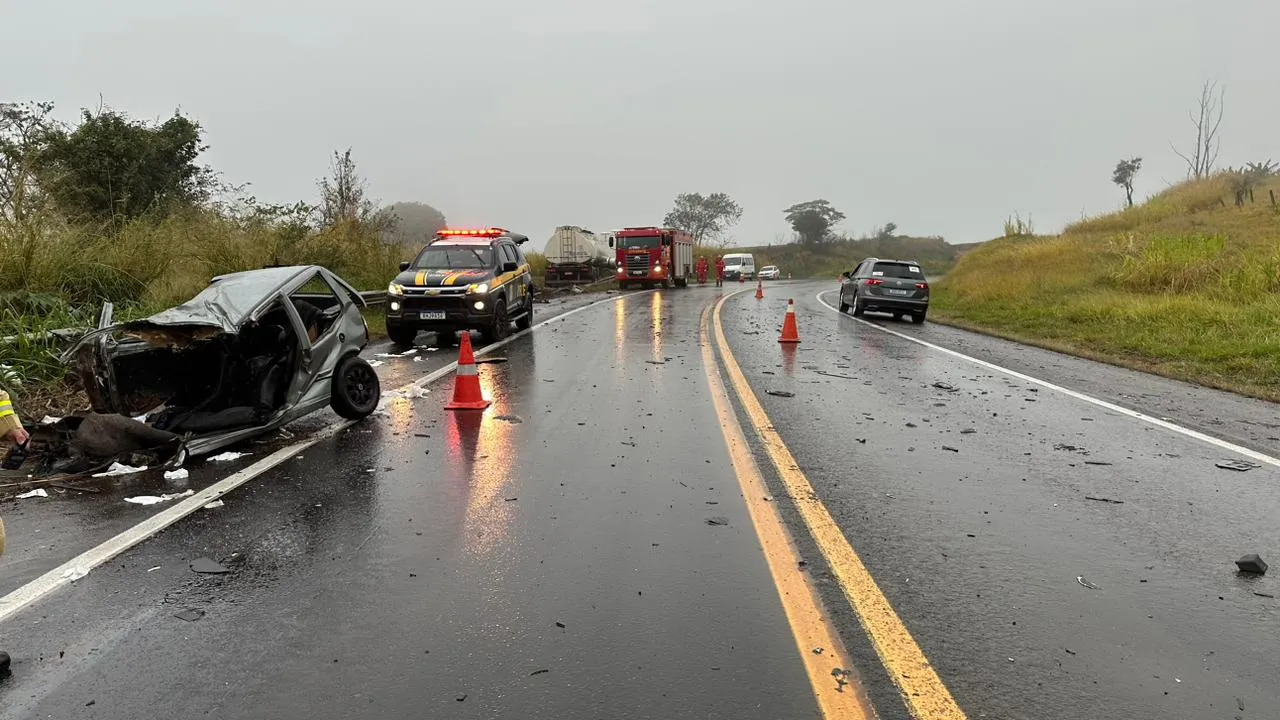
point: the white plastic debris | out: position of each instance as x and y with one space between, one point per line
75 573
376 363
413 393
227 457
118 469
141 418
179 474
38 492
50 420
214 505
156 499
418 359
406 353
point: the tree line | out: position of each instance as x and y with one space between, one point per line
708 218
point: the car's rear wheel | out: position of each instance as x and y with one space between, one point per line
356 388
858 310
402 336
844 306
501 326
526 321
918 318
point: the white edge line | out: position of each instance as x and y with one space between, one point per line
1173 427
46 584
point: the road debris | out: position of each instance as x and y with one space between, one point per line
75 573
513 419
842 678
119 469
490 360
1085 583
1265 595
205 566
717 521
156 499
780 393
560 625
376 363
950 449
1252 564
539 672
655 362
946 386
1105 500
968 431
227 456
836 375
179 474
38 492
1097 462
190 615
1237 465
413 393
214 505
818 651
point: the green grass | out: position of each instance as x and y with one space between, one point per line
1186 285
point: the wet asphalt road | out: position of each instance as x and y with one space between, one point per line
551 560
971 509
421 564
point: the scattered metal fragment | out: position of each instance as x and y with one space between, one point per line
817 651
656 362
950 449
513 419
510 499
1237 465
1105 500
1252 564
717 520
560 625
490 360
836 375
1265 595
968 431
780 393
1096 462
945 386
539 672
1080 579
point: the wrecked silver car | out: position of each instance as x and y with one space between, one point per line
252 352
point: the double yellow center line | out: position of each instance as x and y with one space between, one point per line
922 690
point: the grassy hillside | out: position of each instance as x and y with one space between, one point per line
831 259
1186 285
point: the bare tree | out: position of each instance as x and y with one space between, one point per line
1207 118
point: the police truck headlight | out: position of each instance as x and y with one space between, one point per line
395 289
395 306
657 267
479 305
480 289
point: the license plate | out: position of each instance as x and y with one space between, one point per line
432 315
899 292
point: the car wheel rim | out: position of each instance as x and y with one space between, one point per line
360 383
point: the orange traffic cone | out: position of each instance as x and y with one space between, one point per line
789 332
759 289
466 383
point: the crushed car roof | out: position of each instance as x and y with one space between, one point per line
230 299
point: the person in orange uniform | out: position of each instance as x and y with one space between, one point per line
701 269
720 271
12 431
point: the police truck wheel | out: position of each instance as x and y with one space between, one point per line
501 326
402 336
526 321
356 389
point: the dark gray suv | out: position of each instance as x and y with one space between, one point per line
892 286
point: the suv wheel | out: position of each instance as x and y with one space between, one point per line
356 389
844 306
402 336
918 318
501 326
857 307
526 321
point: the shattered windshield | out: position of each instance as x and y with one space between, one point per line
454 258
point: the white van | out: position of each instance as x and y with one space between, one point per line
739 264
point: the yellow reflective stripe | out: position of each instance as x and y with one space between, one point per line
421 278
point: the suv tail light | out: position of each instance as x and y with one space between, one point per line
923 286
873 281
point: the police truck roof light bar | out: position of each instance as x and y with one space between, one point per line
478 232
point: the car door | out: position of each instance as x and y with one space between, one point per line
318 336
526 279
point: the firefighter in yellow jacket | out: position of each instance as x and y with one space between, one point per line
11 430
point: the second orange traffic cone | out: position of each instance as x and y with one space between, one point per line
466 383
759 289
789 332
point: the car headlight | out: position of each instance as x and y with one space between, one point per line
395 289
657 267
479 289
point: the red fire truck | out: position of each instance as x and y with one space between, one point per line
649 256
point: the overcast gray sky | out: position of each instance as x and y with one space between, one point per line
942 116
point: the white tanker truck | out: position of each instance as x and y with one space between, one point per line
577 256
